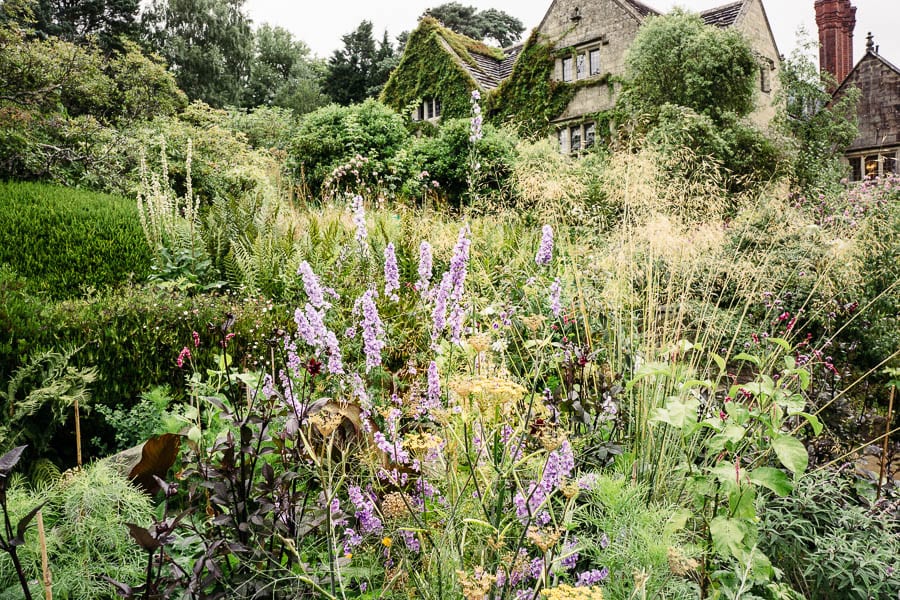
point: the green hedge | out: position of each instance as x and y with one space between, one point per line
66 241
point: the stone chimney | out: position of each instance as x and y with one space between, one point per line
836 20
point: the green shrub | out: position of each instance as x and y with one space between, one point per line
133 336
85 519
447 159
67 241
828 544
369 134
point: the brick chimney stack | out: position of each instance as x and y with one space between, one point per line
836 20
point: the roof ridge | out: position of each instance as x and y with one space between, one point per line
721 7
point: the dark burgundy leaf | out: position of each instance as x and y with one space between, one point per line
23 524
9 460
123 589
143 537
157 457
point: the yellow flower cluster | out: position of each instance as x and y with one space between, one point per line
477 585
567 592
421 444
544 539
489 392
394 506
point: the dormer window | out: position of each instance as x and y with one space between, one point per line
428 110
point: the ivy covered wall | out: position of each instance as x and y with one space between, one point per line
427 70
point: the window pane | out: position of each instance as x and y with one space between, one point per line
590 131
889 165
567 69
561 135
871 166
582 72
595 62
764 83
856 168
437 107
575 138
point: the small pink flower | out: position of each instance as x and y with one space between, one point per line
184 354
196 337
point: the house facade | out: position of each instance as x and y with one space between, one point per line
566 76
876 149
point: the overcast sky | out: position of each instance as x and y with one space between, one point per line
321 23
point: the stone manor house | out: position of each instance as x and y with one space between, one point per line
589 38
876 149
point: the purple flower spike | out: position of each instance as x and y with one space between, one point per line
372 330
391 273
545 251
425 267
555 293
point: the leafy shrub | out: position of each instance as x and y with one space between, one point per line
265 127
447 158
67 241
830 545
85 519
335 135
133 336
626 534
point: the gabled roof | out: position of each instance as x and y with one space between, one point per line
856 67
723 16
641 8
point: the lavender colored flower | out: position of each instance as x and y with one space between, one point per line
312 286
545 251
359 219
569 555
311 328
459 263
604 541
410 540
365 510
555 293
456 323
475 132
372 330
425 267
439 313
592 577
434 386
391 273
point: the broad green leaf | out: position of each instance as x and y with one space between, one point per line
727 536
742 502
677 413
648 369
749 358
813 420
720 362
784 344
791 452
678 521
773 479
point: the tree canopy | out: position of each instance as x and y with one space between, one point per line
106 21
207 43
677 59
361 68
480 25
283 73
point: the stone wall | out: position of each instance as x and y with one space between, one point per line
879 106
753 23
602 24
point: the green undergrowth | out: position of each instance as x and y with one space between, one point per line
66 241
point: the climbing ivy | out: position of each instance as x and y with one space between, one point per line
427 70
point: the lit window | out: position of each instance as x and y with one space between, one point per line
567 69
580 67
595 62
590 132
871 166
575 138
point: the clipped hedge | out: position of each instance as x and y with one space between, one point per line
66 241
133 336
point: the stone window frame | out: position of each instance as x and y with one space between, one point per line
874 163
429 109
568 70
586 135
766 67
